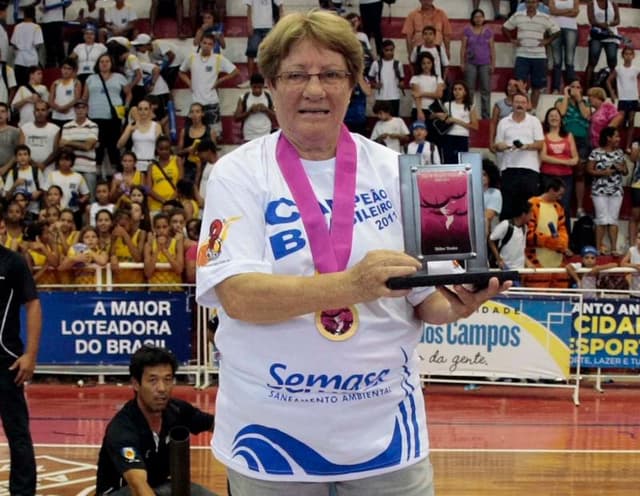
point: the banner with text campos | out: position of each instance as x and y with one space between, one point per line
92 328
608 333
506 337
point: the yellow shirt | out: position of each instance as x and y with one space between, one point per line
165 276
159 184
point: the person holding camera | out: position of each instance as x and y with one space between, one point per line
520 137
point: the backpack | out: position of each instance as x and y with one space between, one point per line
582 234
368 57
396 69
245 97
34 174
600 79
493 263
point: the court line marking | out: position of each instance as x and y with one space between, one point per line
432 450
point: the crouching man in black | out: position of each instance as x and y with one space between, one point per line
134 457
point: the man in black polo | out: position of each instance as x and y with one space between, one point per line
17 365
134 457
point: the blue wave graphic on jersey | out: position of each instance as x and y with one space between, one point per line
270 450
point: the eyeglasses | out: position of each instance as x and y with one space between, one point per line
326 78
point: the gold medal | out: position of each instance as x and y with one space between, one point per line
338 324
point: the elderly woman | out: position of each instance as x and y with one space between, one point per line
607 166
318 382
604 114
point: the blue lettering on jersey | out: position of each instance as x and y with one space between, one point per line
373 205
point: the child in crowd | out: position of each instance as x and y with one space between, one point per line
462 114
53 197
102 203
26 179
162 248
440 59
64 232
75 192
426 87
81 255
52 215
41 253
186 197
14 226
420 146
29 94
215 29
386 76
508 240
140 217
631 259
389 131
191 250
625 91
104 225
127 246
208 155
255 110
64 94
162 176
587 280
124 181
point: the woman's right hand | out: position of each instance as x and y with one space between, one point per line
368 278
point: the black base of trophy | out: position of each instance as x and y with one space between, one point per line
480 280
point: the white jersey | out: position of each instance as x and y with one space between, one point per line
321 407
40 140
429 154
627 82
26 37
65 94
26 111
88 55
204 74
395 125
72 185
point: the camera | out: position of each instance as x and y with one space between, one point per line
518 144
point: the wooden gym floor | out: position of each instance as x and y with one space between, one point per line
494 441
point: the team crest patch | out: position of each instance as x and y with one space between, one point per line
209 251
129 454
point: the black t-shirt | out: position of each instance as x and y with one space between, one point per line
16 288
129 443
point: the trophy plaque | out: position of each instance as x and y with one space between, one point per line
443 219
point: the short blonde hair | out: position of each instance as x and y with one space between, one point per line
324 28
597 92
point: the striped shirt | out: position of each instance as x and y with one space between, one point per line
531 32
73 131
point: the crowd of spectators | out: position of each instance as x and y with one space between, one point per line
100 146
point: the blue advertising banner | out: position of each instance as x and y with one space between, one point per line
607 333
91 328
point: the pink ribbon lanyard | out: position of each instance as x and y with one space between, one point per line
330 247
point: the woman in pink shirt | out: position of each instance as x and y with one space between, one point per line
605 114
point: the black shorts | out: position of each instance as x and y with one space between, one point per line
628 105
635 197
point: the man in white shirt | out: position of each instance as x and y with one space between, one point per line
520 137
120 21
205 68
26 39
536 30
41 136
52 23
8 84
81 135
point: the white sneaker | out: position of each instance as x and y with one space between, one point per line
244 84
